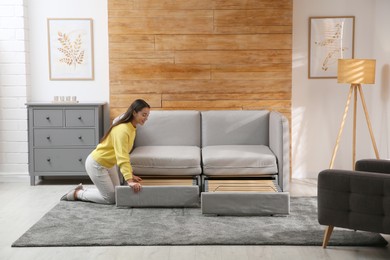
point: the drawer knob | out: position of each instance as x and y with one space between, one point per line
48 118
80 137
81 159
48 160
48 138
80 118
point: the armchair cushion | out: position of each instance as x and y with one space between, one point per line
373 165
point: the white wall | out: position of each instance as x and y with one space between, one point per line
14 81
44 89
318 104
381 96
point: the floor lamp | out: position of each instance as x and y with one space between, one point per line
355 72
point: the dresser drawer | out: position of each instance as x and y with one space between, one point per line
45 117
80 118
60 160
64 137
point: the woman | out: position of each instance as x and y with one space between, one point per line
113 149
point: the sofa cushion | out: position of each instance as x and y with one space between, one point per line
170 128
166 160
238 160
236 127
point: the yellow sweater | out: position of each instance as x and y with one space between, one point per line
115 149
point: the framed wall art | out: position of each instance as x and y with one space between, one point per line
70 49
330 39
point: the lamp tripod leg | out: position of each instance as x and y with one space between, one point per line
354 127
368 122
341 127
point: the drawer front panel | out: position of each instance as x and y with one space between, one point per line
80 118
64 137
60 160
44 117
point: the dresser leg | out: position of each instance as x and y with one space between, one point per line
32 180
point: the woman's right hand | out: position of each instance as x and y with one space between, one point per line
136 186
136 178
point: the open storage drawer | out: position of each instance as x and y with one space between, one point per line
161 191
249 196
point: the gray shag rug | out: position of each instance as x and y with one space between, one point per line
88 224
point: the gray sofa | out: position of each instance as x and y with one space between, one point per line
207 144
213 143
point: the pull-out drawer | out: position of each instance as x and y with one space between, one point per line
79 117
46 117
65 137
244 197
60 160
161 191
241 185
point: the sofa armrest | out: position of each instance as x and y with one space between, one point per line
354 199
279 143
373 165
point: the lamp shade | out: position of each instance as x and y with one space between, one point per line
356 71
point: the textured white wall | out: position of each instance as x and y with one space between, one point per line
14 82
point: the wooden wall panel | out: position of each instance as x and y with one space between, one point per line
201 54
211 4
258 17
223 42
259 57
200 86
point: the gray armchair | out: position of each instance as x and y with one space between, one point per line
358 200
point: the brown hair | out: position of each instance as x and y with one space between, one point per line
127 117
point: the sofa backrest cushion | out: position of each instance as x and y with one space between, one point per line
235 127
170 127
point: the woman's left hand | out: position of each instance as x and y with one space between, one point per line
136 186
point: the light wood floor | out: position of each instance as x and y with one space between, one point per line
23 205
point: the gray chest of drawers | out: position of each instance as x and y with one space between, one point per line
61 136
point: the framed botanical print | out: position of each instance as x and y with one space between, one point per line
70 49
330 39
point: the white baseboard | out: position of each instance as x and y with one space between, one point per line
23 177
14 177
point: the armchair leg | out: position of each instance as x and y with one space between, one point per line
328 233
